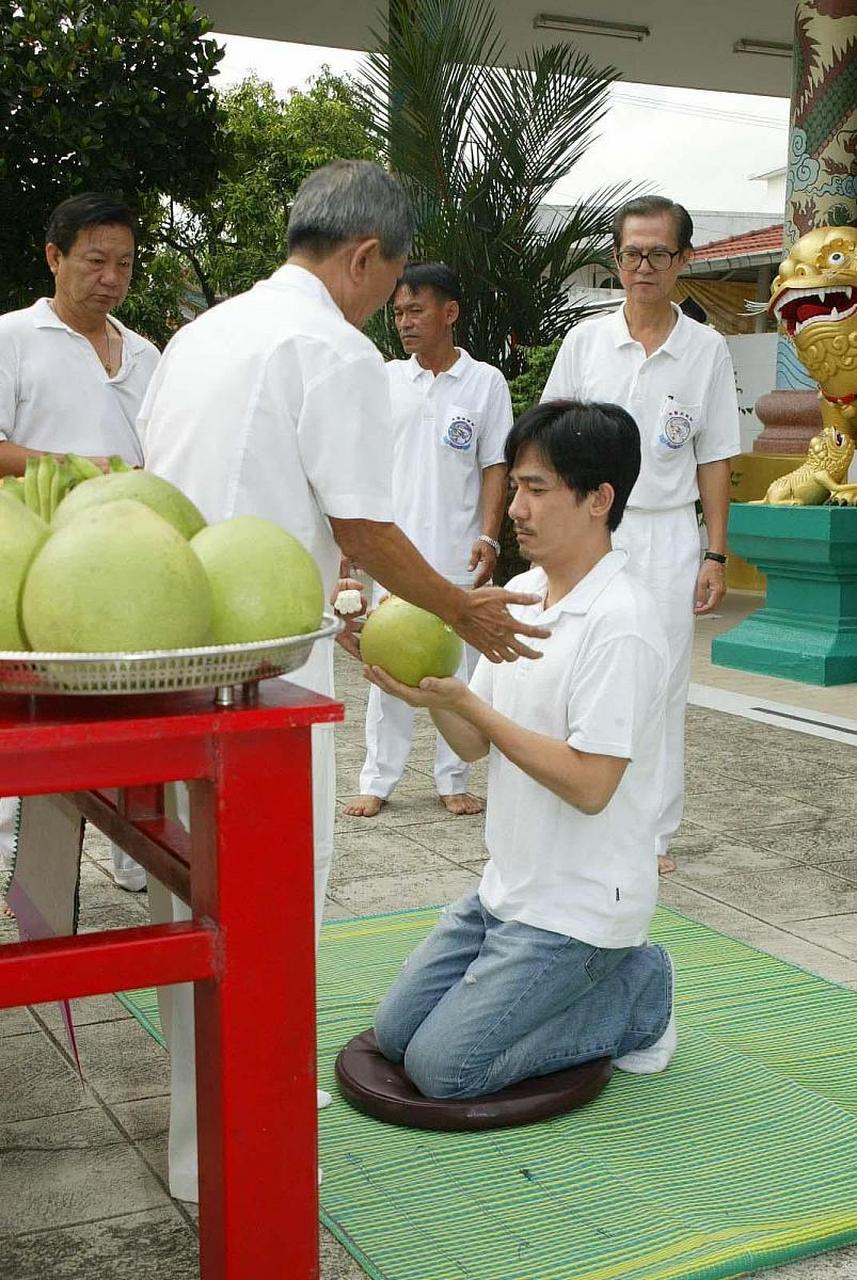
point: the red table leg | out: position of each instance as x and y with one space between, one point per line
252 873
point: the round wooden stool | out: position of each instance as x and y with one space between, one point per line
381 1089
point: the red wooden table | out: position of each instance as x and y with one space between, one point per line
246 870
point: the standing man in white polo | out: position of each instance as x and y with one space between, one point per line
275 404
675 377
451 416
73 377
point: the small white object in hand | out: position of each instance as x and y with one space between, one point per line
348 602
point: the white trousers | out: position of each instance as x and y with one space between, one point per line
8 829
176 1003
126 872
664 553
389 737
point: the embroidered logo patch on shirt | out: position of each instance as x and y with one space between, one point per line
459 433
677 429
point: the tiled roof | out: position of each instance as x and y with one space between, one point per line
765 240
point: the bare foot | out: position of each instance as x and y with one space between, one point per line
364 807
5 910
463 803
666 866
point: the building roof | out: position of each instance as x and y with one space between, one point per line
765 240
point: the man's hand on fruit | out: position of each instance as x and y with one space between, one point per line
349 636
485 623
437 694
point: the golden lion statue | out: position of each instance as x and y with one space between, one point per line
814 300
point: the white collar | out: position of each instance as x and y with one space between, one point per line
291 276
414 370
582 597
674 344
47 318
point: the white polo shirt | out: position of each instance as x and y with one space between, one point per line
682 398
447 428
272 404
55 394
600 686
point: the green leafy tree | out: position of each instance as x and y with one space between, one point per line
526 389
479 144
111 96
236 233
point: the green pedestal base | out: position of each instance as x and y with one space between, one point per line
807 628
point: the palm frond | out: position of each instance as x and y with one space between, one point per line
479 144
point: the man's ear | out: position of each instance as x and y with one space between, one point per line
362 256
601 500
452 311
52 257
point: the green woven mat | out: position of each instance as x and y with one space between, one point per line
743 1155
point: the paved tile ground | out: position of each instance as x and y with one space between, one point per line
766 854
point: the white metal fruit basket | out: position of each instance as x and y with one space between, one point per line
220 667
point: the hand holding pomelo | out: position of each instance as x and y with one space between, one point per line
263 581
409 643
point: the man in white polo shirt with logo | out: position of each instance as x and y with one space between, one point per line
675 378
547 965
451 415
72 377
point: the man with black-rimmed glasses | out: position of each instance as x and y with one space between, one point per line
675 377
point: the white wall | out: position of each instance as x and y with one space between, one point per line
754 356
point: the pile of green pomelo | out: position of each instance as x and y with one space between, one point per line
124 562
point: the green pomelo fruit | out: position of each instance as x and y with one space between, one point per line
264 583
409 643
117 578
139 486
21 535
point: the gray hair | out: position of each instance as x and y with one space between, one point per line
649 206
350 200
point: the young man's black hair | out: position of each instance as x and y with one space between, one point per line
90 209
586 445
431 275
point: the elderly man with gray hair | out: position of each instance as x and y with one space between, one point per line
275 404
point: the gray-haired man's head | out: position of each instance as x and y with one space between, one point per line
350 200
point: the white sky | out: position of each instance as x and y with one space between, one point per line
698 147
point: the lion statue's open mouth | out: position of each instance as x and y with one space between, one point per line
797 309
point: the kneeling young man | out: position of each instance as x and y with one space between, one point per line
547 966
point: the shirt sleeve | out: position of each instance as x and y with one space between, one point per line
345 440
561 384
616 690
498 420
8 387
720 436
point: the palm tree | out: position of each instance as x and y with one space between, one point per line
479 143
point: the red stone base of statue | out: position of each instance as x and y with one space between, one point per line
791 419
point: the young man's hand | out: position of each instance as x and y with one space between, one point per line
436 694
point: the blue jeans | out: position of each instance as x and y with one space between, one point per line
482 1003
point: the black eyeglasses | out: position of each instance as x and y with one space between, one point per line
658 259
